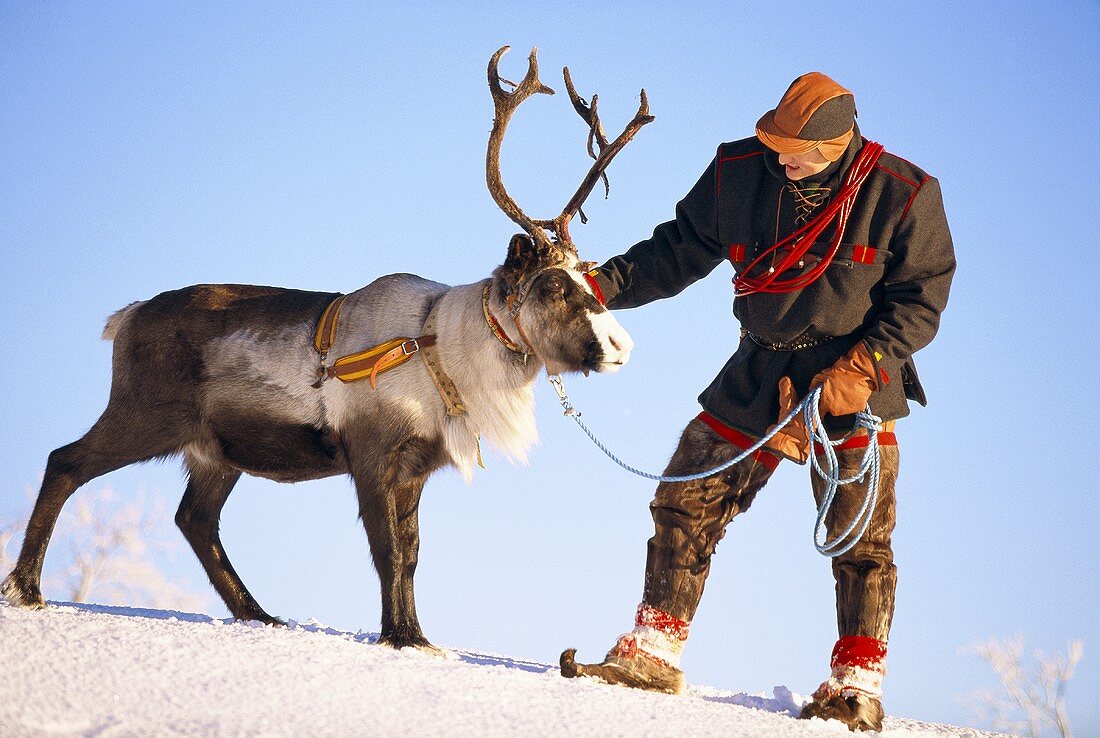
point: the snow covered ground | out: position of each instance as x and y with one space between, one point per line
86 670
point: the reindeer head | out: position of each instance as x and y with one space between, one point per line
543 270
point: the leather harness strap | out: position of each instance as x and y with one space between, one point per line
446 386
377 359
371 362
385 356
326 327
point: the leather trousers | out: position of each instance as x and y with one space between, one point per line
690 518
866 577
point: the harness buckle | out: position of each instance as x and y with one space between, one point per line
322 373
410 347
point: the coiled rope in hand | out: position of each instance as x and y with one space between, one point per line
829 471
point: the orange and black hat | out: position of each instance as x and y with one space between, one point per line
814 113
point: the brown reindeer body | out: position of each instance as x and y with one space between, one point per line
223 374
226 377
206 372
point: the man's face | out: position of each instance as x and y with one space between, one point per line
800 166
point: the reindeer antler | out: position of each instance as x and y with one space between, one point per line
607 151
505 104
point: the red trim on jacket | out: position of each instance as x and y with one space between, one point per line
885 438
913 197
722 161
908 181
740 440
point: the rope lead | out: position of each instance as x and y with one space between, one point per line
810 408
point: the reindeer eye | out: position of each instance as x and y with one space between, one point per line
555 283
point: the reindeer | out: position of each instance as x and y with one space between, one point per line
236 379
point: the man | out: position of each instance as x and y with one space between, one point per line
843 260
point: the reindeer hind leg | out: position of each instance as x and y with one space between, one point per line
208 487
115 441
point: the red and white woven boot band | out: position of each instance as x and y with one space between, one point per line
858 666
659 634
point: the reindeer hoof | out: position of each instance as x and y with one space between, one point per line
21 594
430 650
247 610
260 617
401 640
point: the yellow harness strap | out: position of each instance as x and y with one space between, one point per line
368 363
326 327
383 357
377 359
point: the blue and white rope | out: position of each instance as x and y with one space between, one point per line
869 468
810 408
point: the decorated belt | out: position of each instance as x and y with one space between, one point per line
796 345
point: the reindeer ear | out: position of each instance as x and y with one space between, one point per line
522 254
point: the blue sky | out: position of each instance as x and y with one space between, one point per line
146 147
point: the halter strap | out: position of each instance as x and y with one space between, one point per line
494 324
515 304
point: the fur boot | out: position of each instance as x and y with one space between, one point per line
629 666
857 711
648 657
853 692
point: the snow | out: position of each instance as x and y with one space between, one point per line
88 670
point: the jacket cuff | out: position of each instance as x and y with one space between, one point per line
882 376
602 287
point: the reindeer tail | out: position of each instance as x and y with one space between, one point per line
119 319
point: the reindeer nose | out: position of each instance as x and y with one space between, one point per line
621 343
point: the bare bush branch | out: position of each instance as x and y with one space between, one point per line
8 531
114 548
1037 691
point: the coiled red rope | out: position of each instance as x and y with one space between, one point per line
795 246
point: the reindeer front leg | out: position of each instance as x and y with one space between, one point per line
389 478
